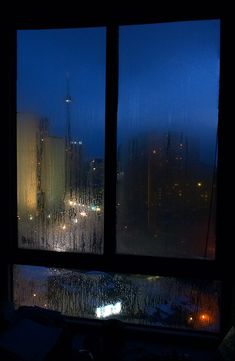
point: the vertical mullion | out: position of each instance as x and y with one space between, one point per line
110 141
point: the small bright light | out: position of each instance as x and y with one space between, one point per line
49 216
34 295
59 249
80 142
205 318
75 220
108 310
83 214
154 151
190 318
31 217
199 184
70 203
64 226
98 209
152 278
94 168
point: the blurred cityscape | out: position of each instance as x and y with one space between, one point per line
144 300
165 194
60 192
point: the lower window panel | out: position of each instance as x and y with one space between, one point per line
144 300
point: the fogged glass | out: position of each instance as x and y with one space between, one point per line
167 139
143 300
60 139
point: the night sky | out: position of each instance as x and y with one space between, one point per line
169 79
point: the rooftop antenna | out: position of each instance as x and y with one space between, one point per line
68 150
68 101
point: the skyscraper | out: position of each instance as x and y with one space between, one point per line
27 182
53 173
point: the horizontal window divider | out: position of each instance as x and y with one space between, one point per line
144 265
87 20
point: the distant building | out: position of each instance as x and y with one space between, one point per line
76 167
53 173
156 175
27 182
95 180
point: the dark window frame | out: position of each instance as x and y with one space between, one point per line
109 261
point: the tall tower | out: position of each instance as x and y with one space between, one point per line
68 149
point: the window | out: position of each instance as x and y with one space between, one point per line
116 179
60 166
140 299
167 129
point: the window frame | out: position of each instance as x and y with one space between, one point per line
110 261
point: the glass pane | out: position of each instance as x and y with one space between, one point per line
167 139
143 300
60 139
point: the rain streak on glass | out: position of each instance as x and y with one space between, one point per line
167 139
60 139
145 300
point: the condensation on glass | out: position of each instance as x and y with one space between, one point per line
167 139
144 300
60 139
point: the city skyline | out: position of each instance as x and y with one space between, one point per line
168 78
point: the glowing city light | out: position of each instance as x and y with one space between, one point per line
95 208
108 310
153 278
199 184
204 318
59 249
83 214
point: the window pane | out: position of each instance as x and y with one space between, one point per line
143 300
167 139
60 139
